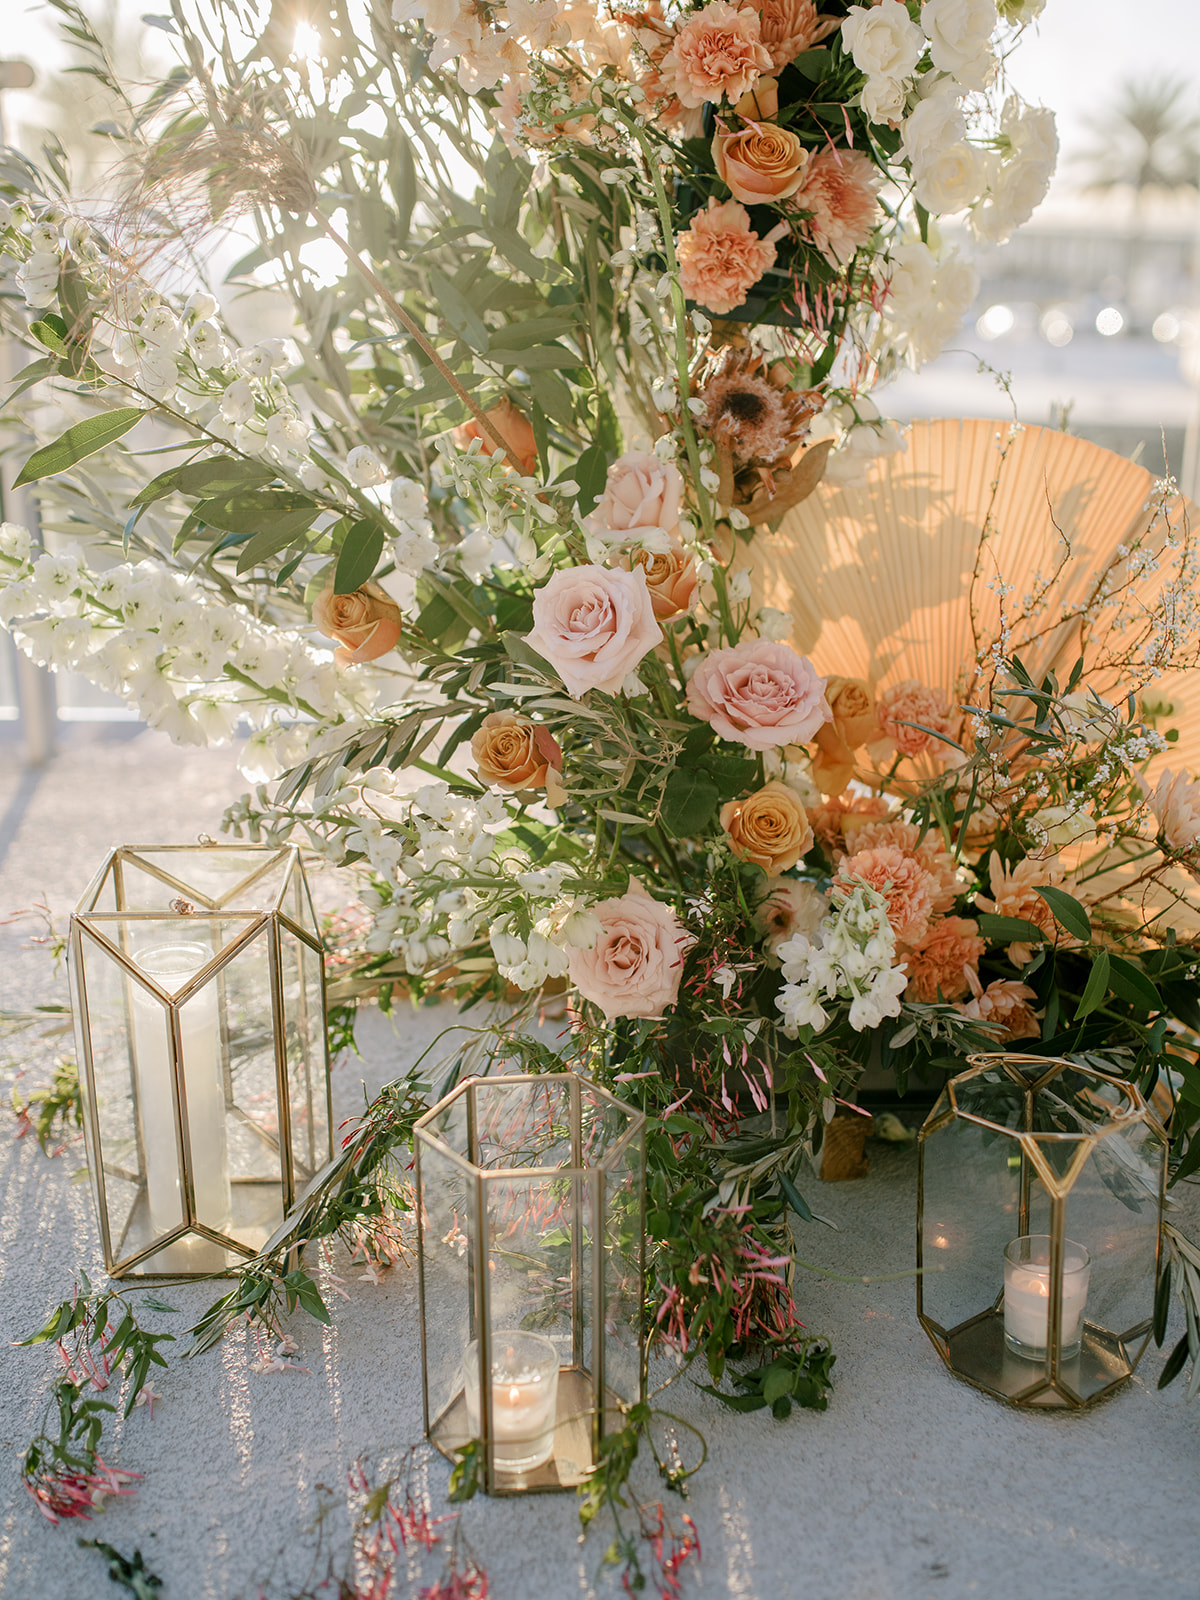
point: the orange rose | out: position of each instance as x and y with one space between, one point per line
366 623
761 163
854 724
515 753
770 828
761 103
671 580
513 426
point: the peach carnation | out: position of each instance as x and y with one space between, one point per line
938 967
721 257
759 694
938 862
789 27
1004 1003
843 815
912 702
839 192
907 888
1014 894
718 53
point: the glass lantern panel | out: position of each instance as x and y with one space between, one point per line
105 897
243 880
622 1247
297 903
971 1207
247 1020
603 1123
538 1258
448 1227
1112 1211
522 1123
449 1122
134 1110
996 1097
304 1019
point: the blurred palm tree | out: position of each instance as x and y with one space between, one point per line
1150 139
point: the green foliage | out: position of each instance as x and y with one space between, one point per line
83 440
132 1575
796 1377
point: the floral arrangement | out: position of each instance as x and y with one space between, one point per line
471 554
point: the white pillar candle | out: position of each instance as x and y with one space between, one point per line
170 966
524 1398
1027 1296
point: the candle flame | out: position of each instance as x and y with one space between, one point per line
514 1395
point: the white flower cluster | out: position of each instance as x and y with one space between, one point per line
927 294
158 639
511 508
852 958
998 183
42 240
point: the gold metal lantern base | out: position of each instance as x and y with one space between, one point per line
976 1352
571 1458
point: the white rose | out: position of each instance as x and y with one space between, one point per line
37 280
934 123
884 40
959 34
883 100
1016 193
1060 826
952 180
1030 130
409 505
364 468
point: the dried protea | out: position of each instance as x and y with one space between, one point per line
758 425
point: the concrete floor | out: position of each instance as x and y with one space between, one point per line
912 1486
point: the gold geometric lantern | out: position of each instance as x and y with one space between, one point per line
1040 1195
531 1238
198 990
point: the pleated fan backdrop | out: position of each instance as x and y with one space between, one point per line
902 577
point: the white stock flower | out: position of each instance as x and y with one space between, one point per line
15 542
207 346
951 179
237 402
37 280
959 34
364 468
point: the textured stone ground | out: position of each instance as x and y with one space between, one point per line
911 1485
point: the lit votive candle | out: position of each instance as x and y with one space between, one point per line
524 1398
1027 1296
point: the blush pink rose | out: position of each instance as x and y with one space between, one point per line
721 257
640 503
593 626
718 53
759 694
634 968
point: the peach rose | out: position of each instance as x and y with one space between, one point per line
938 967
593 626
671 580
839 193
634 968
721 257
903 882
366 624
790 907
911 702
789 27
514 753
770 828
1004 1003
1175 802
760 163
853 723
640 503
759 694
513 426
761 103
716 54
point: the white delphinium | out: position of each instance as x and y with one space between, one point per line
851 958
207 347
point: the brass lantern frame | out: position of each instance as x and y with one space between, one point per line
108 930
974 1348
586 1402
